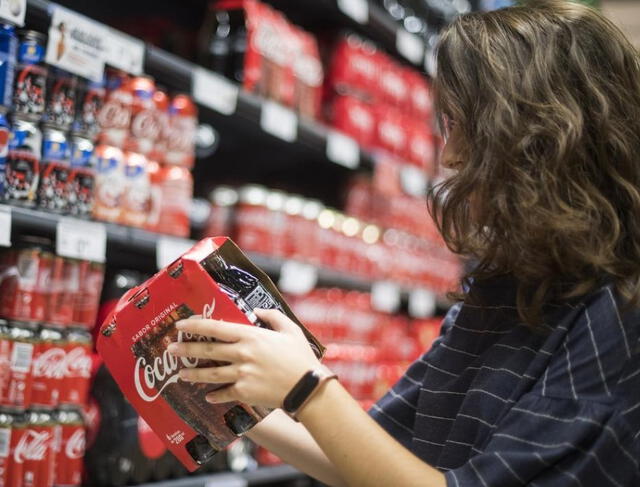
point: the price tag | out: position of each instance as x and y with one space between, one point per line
124 52
413 181
76 44
297 278
13 11
81 240
214 91
410 46
358 10
343 150
5 226
431 62
279 121
385 296
169 249
422 303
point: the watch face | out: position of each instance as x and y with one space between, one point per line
300 392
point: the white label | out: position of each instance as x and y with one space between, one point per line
76 44
214 91
297 278
358 10
169 249
431 62
81 240
5 441
279 121
385 296
410 46
13 11
422 303
124 52
21 357
5 226
228 479
413 181
343 150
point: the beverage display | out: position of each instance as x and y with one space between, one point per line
89 101
22 172
82 176
53 184
60 110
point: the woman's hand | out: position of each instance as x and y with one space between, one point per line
263 365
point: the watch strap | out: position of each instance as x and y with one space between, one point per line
305 388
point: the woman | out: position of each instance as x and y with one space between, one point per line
535 378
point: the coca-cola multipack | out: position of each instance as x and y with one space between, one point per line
215 280
254 44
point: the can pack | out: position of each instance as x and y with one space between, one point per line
110 183
137 191
8 55
29 93
214 279
145 125
22 172
17 345
114 117
180 139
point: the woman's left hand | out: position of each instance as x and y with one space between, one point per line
263 365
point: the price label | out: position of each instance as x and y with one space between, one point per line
214 91
169 249
124 52
279 121
410 46
13 11
358 10
343 150
413 181
81 240
297 278
77 44
5 226
422 303
385 296
431 62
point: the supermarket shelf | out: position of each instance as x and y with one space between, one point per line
262 476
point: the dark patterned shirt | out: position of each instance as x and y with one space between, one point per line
494 403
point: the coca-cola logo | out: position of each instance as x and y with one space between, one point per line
32 446
75 446
145 125
150 379
114 114
50 364
77 363
182 133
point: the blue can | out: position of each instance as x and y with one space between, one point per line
5 135
8 52
81 151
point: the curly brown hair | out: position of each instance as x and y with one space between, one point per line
546 97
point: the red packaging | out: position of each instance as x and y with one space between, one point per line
419 100
223 200
14 468
145 125
307 70
393 86
252 230
6 424
161 114
391 131
171 196
35 450
354 67
69 449
47 370
115 114
76 368
137 193
180 139
110 183
22 268
420 149
18 348
355 118
213 279
88 297
66 292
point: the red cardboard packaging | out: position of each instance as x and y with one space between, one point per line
213 279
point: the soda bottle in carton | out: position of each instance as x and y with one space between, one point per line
213 279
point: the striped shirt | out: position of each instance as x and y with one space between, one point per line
494 403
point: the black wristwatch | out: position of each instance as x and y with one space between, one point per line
308 384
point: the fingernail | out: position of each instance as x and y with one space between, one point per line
210 400
180 324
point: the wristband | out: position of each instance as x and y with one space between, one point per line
304 389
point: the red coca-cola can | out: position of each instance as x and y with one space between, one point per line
65 293
76 367
69 448
136 199
145 127
6 423
25 286
175 187
161 103
18 345
47 369
115 115
181 136
88 297
17 426
35 450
